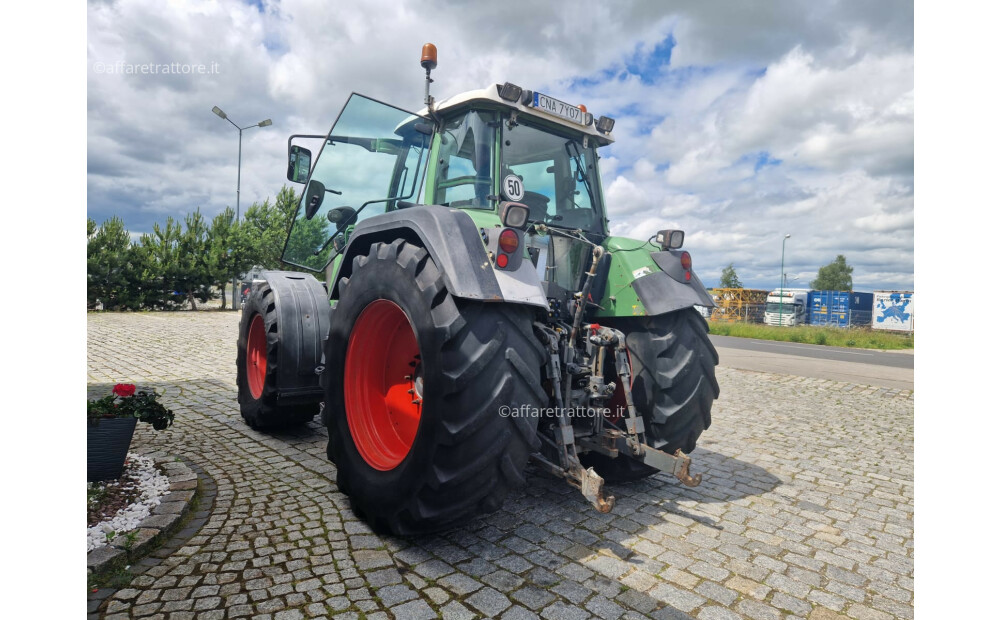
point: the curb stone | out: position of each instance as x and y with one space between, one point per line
158 523
156 528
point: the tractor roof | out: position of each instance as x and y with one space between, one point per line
491 95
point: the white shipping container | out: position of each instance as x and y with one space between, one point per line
893 310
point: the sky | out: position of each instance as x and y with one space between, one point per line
736 122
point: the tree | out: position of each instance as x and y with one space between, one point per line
165 272
729 279
195 277
834 277
113 267
266 227
227 256
263 232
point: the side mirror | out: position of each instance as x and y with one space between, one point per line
313 198
299 162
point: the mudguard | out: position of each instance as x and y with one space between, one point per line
456 246
667 291
302 306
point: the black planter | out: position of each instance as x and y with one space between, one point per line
107 446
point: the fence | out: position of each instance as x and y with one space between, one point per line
744 305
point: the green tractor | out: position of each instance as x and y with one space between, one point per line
476 313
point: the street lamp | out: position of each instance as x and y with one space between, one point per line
239 164
781 288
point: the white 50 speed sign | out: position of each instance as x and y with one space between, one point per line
513 188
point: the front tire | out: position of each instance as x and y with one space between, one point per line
413 468
257 366
674 384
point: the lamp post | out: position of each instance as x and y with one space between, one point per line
239 164
781 288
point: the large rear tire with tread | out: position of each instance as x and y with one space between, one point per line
257 366
412 468
673 386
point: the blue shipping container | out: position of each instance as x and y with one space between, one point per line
840 308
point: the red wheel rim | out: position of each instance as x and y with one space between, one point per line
383 388
256 356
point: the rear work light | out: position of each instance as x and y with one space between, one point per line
514 215
670 239
508 241
509 92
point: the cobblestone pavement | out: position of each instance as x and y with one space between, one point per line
806 510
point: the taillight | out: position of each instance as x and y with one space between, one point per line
501 260
508 241
686 264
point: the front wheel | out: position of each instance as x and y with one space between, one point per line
257 353
674 385
415 385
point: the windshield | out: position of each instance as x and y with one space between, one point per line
557 175
372 158
785 307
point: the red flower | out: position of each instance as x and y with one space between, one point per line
124 389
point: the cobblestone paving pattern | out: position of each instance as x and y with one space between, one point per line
806 511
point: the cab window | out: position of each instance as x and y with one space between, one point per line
465 162
558 176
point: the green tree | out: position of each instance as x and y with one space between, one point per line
112 267
834 277
194 277
729 279
165 272
266 228
262 233
227 252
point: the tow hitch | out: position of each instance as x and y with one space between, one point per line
577 381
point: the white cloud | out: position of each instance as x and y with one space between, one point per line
771 117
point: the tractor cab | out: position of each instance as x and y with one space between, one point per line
475 151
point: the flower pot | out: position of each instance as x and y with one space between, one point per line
107 446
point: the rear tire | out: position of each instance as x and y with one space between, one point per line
463 457
257 366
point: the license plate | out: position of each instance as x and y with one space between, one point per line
558 108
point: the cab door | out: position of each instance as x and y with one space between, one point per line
373 157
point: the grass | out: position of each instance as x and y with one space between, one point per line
859 338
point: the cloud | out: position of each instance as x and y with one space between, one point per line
735 125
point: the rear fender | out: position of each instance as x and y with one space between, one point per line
648 283
456 246
661 295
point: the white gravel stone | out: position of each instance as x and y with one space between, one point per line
141 474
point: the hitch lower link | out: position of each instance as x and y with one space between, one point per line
591 484
608 439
